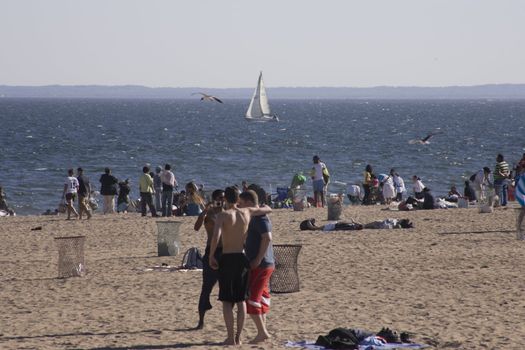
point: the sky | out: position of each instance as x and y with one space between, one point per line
224 44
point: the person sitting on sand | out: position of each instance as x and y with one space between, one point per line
194 202
70 192
231 226
354 194
408 204
209 275
259 252
428 199
453 195
123 196
469 192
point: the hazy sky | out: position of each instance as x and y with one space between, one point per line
221 43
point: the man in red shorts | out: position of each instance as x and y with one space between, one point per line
259 251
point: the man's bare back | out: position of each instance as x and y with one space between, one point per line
234 224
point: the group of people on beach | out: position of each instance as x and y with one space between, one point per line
157 193
386 188
239 255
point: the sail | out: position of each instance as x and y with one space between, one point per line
259 106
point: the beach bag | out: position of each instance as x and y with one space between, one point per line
339 338
326 175
192 259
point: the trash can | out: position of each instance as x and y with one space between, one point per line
168 238
486 200
70 256
285 277
335 207
299 199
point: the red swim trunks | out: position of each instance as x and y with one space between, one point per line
259 286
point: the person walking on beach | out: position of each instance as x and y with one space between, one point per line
209 275
501 175
259 252
157 186
168 185
108 190
367 184
230 227
318 171
70 192
146 192
418 187
84 192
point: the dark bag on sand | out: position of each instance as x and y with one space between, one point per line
192 259
339 338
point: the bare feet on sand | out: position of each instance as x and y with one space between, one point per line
260 339
229 341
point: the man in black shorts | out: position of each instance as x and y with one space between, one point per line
231 227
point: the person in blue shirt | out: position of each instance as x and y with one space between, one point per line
259 252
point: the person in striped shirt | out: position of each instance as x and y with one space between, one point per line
501 175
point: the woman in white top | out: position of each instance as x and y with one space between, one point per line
418 187
399 184
389 192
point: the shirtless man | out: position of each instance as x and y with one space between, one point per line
231 227
209 275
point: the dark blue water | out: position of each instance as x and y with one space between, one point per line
212 144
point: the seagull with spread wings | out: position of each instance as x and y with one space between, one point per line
424 140
206 97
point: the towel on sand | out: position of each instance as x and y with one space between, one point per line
311 345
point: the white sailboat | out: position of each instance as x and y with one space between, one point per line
259 109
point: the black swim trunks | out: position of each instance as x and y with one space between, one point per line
233 277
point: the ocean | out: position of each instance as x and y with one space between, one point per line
212 144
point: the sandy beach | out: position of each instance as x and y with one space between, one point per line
451 288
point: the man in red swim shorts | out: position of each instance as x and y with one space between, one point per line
259 251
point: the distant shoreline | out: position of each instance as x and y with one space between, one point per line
489 91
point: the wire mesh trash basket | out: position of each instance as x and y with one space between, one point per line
520 223
168 238
71 256
299 199
335 207
486 199
285 277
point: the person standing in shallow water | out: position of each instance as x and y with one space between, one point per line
209 275
108 190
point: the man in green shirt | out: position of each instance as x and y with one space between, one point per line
501 175
146 192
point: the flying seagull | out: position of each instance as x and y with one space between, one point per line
424 140
206 97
